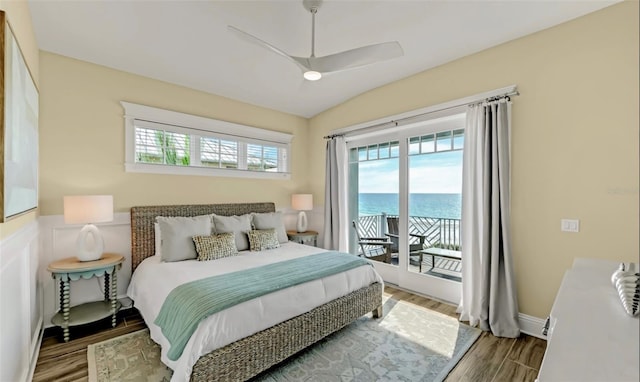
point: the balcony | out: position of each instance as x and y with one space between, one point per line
441 233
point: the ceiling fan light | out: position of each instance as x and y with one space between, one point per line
312 75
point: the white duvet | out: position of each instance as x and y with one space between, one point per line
153 280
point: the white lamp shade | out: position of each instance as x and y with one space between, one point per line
302 202
88 209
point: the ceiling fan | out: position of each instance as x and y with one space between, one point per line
314 67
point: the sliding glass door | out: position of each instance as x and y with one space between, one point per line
405 192
373 197
435 203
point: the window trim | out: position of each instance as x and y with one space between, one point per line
193 124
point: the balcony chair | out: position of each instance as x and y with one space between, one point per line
374 248
415 254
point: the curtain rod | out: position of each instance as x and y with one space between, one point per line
396 122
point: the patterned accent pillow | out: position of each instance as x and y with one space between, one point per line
215 246
261 239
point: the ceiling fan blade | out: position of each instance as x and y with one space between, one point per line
264 44
357 57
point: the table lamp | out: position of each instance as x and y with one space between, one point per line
88 209
302 202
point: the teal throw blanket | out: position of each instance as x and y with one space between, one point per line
190 303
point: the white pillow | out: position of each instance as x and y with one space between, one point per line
269 220
176 236
156 228
239 225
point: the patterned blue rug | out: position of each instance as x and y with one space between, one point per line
408 343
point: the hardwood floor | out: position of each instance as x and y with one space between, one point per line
490 359
60 361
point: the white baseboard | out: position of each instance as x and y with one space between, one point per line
531 325
35 353
528 324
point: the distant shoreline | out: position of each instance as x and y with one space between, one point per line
420 204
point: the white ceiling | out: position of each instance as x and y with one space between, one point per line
187 42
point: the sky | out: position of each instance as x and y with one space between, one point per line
434 173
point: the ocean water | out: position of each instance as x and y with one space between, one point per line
429 205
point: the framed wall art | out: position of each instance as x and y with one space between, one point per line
18 129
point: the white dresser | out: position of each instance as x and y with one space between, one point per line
590 336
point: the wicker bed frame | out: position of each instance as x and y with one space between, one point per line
252 355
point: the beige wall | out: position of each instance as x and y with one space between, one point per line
19 17
575 139
82 140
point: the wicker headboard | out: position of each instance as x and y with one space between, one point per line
143 218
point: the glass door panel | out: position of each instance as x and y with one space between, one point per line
373 198
431 263
435 201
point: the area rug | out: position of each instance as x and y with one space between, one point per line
409 343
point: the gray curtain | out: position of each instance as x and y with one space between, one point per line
488 285
335 196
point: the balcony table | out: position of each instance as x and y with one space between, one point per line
439 252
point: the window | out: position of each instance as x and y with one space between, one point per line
439 142
383 150
218 153
163 147
262 158
166 142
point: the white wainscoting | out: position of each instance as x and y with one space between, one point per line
21 314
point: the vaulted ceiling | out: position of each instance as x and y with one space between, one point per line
188 42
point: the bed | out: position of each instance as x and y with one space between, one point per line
248 356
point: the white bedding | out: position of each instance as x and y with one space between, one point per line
153 280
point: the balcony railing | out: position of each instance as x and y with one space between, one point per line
438 232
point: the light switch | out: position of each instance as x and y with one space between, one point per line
570 225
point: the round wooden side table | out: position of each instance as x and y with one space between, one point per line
72 269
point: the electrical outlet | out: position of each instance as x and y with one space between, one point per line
570 225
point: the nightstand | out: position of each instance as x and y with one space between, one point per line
307 237
71 269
